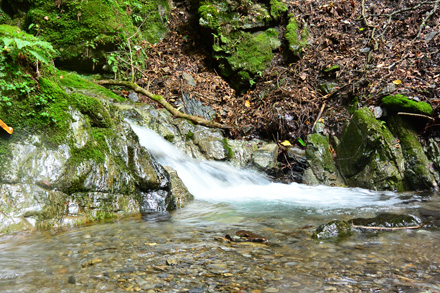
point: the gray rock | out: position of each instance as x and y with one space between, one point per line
266 156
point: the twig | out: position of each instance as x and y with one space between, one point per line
428 16
159 99
416 115
319 116
386 228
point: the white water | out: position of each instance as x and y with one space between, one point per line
218 182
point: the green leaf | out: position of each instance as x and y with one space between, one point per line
7 41
21 43
301 142
40 56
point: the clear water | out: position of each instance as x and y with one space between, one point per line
188 253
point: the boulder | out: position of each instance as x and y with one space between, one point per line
333 230
369 156
419 169
322 168
266 157
244 35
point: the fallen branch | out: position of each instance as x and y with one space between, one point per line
386 228
159 99
415 115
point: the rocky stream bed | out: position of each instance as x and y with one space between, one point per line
188 252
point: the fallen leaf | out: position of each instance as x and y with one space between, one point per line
247 104
286 143
397 81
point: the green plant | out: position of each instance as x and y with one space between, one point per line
23 47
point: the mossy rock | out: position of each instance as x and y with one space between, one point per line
388 220
367 155
297 38
401 103
321 162
248 58
333 230
418 168
242 36
277 9
86 31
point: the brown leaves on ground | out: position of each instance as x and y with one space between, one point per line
374 43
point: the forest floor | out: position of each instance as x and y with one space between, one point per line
380 48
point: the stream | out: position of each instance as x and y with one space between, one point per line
188 252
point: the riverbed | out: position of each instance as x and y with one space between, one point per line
186 251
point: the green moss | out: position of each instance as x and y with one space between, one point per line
189 135
94 109
88 23
277 9
318 152
401 103
90 151
81 84
228 150
253 54
296 39
209 16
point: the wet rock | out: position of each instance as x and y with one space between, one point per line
179 192
334 229
322 167
210 142
430 216
388 220
266 157
172 261
250 236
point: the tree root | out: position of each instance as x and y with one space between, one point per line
159 99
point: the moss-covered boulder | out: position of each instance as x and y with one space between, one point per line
401 103
333 230
320 159
71 158
244 36
418 168
85 32
369 155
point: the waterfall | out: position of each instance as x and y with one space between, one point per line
219 182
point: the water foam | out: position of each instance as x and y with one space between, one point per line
219 182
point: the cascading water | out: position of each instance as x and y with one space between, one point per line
218 182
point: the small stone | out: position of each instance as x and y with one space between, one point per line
171 261
71 280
